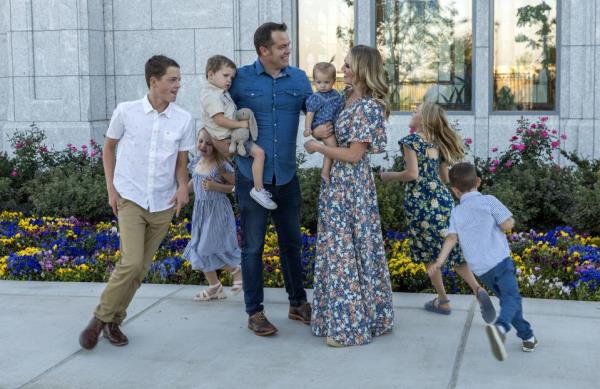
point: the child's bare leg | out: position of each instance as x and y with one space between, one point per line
237 275
466 274
438 285
327 162
222 146
212 278
258 166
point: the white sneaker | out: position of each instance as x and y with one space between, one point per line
263 197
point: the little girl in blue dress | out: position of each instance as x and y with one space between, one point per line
214 243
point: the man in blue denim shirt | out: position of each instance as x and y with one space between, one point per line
276 93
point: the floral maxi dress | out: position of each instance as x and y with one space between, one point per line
427 203
352 298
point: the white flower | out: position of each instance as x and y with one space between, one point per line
434 203
432 185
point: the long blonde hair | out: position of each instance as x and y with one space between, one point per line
367 65
435 128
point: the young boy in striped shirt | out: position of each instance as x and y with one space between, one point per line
479 224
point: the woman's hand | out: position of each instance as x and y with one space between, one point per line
312 146
323 131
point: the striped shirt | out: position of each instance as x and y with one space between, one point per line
476 221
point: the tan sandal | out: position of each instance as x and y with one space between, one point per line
237 286
213 292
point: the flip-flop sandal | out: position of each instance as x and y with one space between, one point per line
488 312
434 306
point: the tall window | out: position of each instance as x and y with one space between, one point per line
524 55
325 33
427 48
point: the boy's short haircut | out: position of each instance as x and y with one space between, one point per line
217 62
463 176
326 68
157 66
262 35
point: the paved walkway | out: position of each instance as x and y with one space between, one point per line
178 343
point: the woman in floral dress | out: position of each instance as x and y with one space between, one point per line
352 298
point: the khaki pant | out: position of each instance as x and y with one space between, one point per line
141 233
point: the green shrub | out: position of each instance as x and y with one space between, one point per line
63 191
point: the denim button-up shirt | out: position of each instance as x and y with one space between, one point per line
276 103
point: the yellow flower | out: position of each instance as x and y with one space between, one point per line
29 251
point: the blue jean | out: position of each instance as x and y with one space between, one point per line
253 220
503 281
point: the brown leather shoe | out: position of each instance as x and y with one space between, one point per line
301 312
113 333
260 325
89 336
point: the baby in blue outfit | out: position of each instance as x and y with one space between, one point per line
323 106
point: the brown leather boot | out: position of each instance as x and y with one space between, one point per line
89 336
302 312
113 333
260 325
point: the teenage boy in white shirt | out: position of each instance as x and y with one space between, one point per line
146 180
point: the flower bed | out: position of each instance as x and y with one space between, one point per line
557 264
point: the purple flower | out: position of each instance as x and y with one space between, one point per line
563 136
544 119
494 149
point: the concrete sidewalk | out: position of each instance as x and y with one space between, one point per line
178 343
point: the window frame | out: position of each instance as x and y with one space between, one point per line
471 112
491 91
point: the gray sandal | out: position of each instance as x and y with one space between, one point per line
434 306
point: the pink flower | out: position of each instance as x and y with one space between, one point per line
554 132
514 138
544 134
492 169
18 145
494 149
93 153
544 119
519 130
555 144
533 125
518 146
83 147
530 132
43 149
563 136
468 141
13 173
495 162
509 163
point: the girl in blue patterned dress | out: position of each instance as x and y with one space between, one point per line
352 299
214 243
427 201
322 107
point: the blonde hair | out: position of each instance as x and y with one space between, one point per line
219 158
325 68
367 65
435 127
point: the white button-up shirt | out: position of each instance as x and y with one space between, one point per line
147 151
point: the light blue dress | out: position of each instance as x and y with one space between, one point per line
214 242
